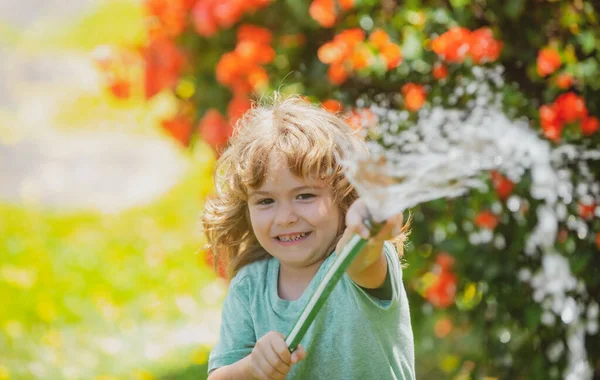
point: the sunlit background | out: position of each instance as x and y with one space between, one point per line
112 114
101 267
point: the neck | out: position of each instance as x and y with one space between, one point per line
293 280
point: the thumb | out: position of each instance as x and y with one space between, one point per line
298 354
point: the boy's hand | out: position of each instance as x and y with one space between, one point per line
271 358
355 224
369 268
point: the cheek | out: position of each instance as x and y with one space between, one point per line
256 219
328 212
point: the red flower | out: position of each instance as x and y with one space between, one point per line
589 125
392 54
548 114
443 327
254 33
359 59
168 18
254 52
332 105
180 128
203 18
358 119
323 12
586 211
208 16
164 63
414 96
504 186
553 131
331 52
445 261
459 43
228 69
484 48
214 129
564 81
379 38
346 4
350 37
120 88
337 73
227 13
571 107
440 71
442 292
550 121
237 107
453 45
548 61
257 78
487 220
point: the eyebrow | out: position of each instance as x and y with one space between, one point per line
295 189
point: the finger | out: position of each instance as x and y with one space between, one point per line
298 354
277 367
281 349
260 374
355 223
265 366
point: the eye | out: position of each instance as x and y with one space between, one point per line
264 201
306 196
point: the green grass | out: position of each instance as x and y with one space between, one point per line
70 281
196 372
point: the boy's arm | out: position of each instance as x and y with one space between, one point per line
370 268
238 370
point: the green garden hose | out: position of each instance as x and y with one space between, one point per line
333 275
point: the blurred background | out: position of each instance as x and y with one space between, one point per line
112 113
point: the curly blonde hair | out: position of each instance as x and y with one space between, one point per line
308 136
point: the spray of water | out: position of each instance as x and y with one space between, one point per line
444 155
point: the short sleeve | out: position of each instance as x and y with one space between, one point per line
236 337
393 280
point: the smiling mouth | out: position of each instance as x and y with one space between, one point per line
292 238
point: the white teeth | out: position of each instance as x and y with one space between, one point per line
291 237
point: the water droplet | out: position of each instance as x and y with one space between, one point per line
366 23
548 319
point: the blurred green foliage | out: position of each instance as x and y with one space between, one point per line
77 287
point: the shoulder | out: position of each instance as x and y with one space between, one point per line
250 278
393 258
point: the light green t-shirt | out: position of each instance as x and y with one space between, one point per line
354 336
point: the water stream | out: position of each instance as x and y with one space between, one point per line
445 155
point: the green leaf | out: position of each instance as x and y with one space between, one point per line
460 3
587 41
412 48
514 8
300 11
532 317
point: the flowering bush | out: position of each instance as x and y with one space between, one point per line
506 281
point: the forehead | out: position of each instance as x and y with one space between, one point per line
280 177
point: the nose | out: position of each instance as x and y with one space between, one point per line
285 215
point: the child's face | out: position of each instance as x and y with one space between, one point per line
296 220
